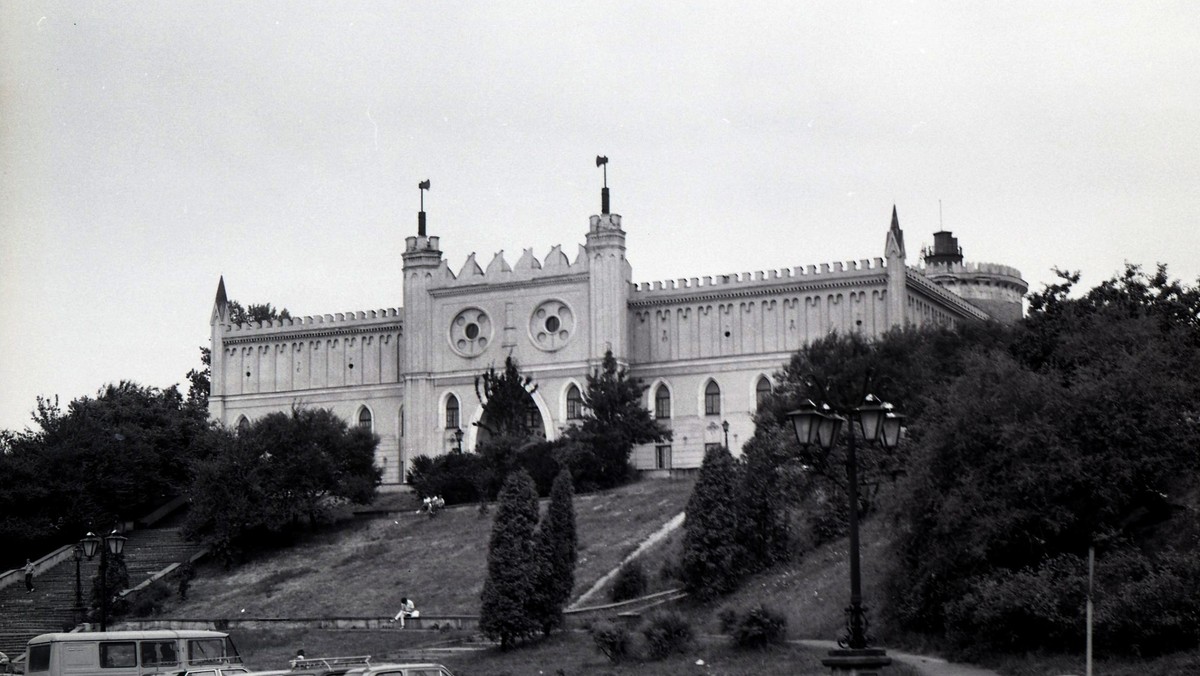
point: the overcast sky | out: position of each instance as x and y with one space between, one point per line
148 148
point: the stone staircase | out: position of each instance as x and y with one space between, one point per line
50 607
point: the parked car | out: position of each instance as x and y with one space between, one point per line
405 669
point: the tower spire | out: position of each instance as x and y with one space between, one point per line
602 161
422 186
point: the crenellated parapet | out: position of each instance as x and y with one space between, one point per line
828 274
967 269
528 269
997 289
361 321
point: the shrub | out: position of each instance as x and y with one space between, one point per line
666 634
760 627
630 582
149 601
451 476
612 640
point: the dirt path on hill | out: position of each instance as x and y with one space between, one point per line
654 538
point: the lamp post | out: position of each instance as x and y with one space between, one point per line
77 554
114 544
458 437
725 428
821 425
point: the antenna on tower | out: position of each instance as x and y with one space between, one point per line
422 186
602 161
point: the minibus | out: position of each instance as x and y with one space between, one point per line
131 653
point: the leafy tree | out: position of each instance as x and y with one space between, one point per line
507 612
119 454
713 556
614 421
254 313
285 470
200 382
556 548
1082 432
116 581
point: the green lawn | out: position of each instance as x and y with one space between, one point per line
362 567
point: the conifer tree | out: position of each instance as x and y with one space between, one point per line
556 547
712 553
509 590
614 421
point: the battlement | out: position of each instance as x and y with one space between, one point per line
498 271
972 269
341 319
417 243
800 273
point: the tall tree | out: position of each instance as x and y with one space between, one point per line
614 421
505 399
556 546
713 555
509 597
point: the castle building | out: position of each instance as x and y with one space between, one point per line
707 347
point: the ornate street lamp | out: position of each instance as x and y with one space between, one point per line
114 545
725 427
821 425
458 437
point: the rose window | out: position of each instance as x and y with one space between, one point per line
470 332
551 325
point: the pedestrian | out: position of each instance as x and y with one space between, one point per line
28 575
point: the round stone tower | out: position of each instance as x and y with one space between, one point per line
996 289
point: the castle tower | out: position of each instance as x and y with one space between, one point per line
216 377
608 282
422 258
996 289
897 283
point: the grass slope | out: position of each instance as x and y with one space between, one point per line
362 568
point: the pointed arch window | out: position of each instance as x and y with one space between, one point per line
574 403
452 418
712 398
762 392
365 420
662 403
242 424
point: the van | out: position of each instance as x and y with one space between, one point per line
133 653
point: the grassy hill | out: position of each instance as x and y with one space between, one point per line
364 566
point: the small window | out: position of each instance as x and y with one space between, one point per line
39 658
662 456
452 413
574 403
205 649
762 392
364 418
662 403
118 655
712 398
158 652
713 447
243 424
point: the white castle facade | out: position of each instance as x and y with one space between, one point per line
707 347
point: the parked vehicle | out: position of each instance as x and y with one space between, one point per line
133 653
404 669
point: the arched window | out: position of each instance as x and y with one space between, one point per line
574 403
662 403
762 392
452 412
364 418
243 424
712 398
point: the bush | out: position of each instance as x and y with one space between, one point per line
666 634
760 627
612 640
149 601
451 476
630 583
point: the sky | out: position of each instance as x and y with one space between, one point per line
148 148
